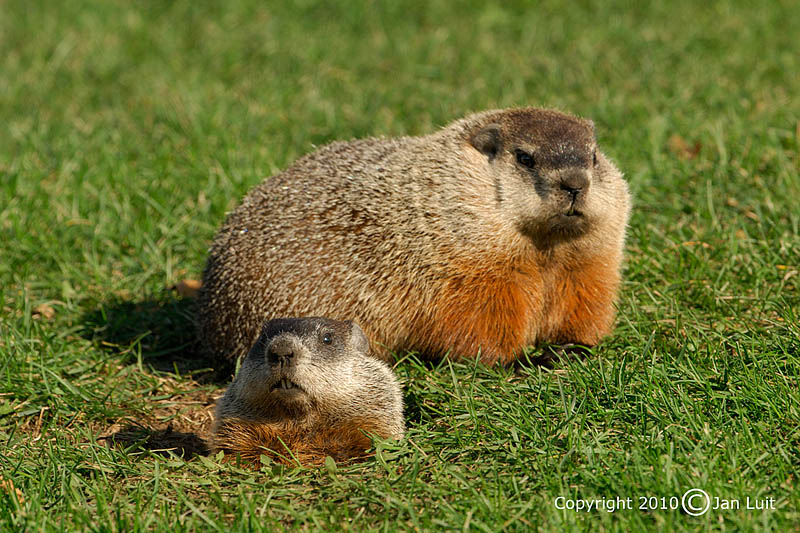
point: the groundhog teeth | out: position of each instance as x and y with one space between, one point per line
283 384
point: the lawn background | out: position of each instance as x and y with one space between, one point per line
131 128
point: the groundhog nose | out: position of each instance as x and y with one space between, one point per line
574 182
280 352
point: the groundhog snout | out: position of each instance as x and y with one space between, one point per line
283 350
574 185
575 182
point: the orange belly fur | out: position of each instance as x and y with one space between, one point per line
292 443
501 310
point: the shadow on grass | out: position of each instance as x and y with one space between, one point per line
159 332
159 441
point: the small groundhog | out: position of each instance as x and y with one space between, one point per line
308 389
502 230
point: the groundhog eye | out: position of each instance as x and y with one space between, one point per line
594 159
525 159
327 338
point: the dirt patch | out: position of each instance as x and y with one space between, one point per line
160 441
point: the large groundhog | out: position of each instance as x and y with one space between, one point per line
502 230
308 389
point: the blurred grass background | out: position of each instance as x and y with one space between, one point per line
129 129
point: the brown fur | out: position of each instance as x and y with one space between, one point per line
291 443
440 244
581 304
487 311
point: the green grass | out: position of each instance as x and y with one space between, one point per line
130 128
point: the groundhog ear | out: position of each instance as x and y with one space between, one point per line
359 340
487 140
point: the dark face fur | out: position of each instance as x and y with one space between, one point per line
296 363
549 171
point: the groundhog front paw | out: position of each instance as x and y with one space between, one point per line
552 354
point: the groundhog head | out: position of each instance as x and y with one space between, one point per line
311 368
309 388
549 173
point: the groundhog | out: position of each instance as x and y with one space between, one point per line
308 389
502 230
